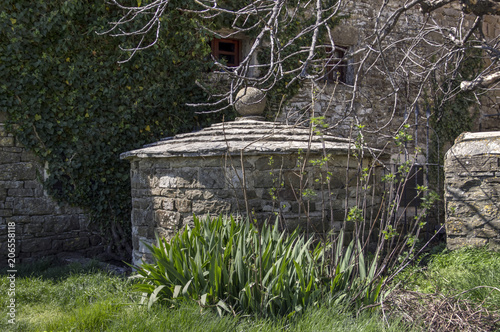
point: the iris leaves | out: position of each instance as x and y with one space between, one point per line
235 267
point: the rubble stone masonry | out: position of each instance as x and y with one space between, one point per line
472 191
43 227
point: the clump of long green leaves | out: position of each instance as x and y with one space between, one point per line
237 267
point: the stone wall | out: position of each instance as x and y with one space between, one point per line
472 191
166 192
43 227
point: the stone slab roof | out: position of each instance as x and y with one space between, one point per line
251 136
473 144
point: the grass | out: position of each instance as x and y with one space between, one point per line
455 272
85 298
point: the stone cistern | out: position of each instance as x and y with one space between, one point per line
267 169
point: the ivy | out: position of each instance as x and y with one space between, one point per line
71 103
451 116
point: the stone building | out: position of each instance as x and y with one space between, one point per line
265 170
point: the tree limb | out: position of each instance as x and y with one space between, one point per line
428 6
481 82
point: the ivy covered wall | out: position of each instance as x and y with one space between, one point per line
69 101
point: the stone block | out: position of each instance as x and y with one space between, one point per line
266 163
18 171
195 194
253 205
276 164
167 219
494 244
214 207
170 193
453 243
5 212
179 179
458 227
293 179
19 219
61 224
183 205
29 157
212 178
240 194
32 229
135 239
143 231
77 243
234 162
487 232
266 180
468 164
142 217
7 141
188 221
20 192
35 206
168 204
472 189
269 207
296 207
9 158
155 191
36 245
141 180
142 203
222 194
142 244
157 203
338 216
285 206
287 194
165 233
33 184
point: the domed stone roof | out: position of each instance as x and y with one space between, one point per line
251 136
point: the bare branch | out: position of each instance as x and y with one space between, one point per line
429 6
483 82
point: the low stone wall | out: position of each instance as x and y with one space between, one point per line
472 190
42 227
166 192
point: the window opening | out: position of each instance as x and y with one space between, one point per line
227 51
336 68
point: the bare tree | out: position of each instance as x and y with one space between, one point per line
428 48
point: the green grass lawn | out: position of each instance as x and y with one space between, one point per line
76 298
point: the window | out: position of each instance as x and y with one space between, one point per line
337 66
227 51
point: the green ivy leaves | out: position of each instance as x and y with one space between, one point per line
70 102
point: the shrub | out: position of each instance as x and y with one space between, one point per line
236 267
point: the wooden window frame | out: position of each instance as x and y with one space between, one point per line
337 66
217 52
